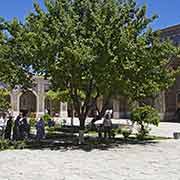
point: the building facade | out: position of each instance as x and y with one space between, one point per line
34 101
172 95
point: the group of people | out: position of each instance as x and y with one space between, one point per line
20 128
19 131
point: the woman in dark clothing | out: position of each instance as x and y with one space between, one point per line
16 134
40 125
8 129
23 128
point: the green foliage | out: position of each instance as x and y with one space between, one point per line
19 144
145 116
126 133
143 133
4 101
119 130
14 69
6 144
63 122
32 122
113 133
46 117
90 49
51 129
62 96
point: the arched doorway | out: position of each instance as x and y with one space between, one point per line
28 103
48 106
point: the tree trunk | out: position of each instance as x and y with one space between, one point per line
82 122
82 129
72 115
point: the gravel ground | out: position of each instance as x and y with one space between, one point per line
152 161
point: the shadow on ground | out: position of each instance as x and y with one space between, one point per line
64 141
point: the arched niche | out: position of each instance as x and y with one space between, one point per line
28 103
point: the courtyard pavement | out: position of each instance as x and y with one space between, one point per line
156 160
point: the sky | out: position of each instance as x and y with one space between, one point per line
167 10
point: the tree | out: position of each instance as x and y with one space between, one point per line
4 101
143 117
94 48
12 70
62 96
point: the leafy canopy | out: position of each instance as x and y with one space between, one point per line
92 48
14 70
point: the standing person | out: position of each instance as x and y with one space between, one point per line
51 122
2 125
23 128
16 132
100 130
107 123
40 125
8 128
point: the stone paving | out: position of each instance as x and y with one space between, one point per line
165 129
158 160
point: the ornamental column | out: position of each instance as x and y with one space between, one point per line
116 113
40 98
63 109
